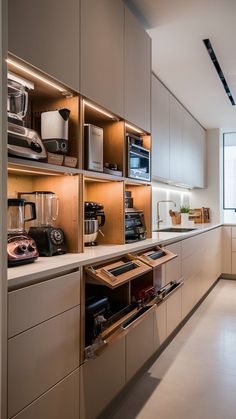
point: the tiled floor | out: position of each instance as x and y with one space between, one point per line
195 377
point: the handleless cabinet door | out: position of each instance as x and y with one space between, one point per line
160 130
45 34
174 311
176 134
102 53
41 357
60 402
137 73
160 331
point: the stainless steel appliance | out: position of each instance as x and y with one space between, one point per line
93 141
135 228
138 159
21 248
50 239
92 212
22 141
54 130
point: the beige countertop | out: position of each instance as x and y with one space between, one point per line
46 267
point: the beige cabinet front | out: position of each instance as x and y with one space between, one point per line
160 326
46 34
173 268
61 402
102 53
101 379
173 311
41 357
139 345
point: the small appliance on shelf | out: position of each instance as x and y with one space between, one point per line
49 238
21 248
92 212
22 141
135 228
93 143
54 130
138 159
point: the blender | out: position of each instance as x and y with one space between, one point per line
21 248
50 239
22 141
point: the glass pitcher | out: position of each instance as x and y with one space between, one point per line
17 100
47 207
16 215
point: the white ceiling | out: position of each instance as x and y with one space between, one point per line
180 59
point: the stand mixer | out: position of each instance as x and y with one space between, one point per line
50 239
21 248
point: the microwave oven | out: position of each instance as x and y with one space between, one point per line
139 166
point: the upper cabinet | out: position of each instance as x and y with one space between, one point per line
137 82
178 140
160 130
102 53
45 34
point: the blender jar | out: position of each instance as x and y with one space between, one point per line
17 100
16 215
47 206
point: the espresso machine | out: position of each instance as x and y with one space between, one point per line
22 141
21 248
49 238
92 212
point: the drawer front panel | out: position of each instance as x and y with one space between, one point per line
173 268
160 332
34 304
61 402
233 232
174 311
41 357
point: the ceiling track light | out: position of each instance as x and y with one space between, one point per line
219 71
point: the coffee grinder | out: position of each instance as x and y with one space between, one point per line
50 239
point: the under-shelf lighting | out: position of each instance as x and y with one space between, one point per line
36 75
98 109
32 172
139 131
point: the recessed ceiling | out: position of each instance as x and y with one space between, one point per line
180 59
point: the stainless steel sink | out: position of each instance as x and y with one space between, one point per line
175 230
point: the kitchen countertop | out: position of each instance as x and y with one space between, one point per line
44 268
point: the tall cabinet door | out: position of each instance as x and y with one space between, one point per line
176 134
45 33
137 89
102 52
187 149
160 130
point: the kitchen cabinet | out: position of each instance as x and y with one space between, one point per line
102 53
173 311
60 402
178 141
137 75
101 379
160 130
139 345
173 268
40 357
160 330
226 250
45 34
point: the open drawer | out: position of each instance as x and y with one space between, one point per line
156 256
117 273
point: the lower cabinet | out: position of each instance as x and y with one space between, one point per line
160 330
173 311
101 379
139 345
60 402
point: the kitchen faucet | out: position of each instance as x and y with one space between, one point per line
158 211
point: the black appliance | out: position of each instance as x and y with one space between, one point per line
135 228
139 166
49 238
21 248
97 311
93 211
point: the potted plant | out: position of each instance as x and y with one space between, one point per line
184 215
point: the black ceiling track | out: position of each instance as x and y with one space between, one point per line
220 73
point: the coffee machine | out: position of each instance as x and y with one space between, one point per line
21 248
54 130
22 141
50 239
92 212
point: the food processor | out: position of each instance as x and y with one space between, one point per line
21 248
22 141
49 238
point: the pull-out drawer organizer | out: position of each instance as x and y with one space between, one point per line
120 294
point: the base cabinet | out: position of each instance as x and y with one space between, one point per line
101 379
60 402
160 330
173 311
139 345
